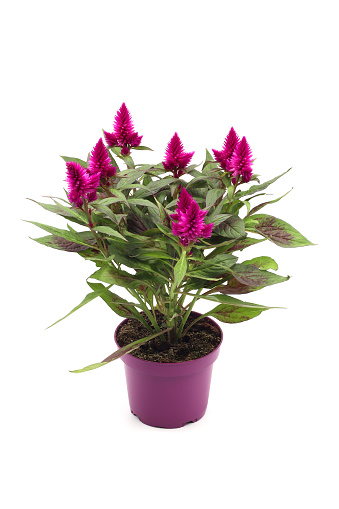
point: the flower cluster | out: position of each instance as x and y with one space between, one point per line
235 157
123 134
190 224
84 182
81 184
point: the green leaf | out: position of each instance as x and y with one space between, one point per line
156 187
259 187
119 305
233 310
142 203
127 159
262 262
258 207
74 160
130 178
232 227
98 289
209 163
212 196
119 195
122 351
180 269
114 276
278 231
63 211
109 231
141 147
73 237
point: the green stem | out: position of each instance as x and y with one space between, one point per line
101 246
188 312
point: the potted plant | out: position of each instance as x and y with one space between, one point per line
167 233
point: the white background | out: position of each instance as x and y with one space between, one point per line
270 436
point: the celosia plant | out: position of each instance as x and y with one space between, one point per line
168 239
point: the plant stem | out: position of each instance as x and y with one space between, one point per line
188 312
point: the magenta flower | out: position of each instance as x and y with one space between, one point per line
81 184
241 161
99 162
190 224
176 159
123 134
223 157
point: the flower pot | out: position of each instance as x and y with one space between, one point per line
169 395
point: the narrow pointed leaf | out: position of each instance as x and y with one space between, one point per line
259 187
98 289
122 351
258 207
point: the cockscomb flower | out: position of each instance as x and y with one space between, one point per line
81 184
99 162
190 224
223 157
241 161
176 159
123 134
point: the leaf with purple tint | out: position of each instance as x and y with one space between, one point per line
71 236
248 278
239 245
279 232
233 310
122 351
63 244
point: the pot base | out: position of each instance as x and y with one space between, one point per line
169 427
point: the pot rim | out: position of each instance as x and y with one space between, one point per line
170 365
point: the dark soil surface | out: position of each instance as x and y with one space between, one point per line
201 339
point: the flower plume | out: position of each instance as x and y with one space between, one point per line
176 159
223 157
190 224
81 184
241 162
123 134
99 161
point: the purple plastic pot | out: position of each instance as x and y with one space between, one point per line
169 395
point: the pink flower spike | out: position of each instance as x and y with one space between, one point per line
190 225
80 184
123 134
224 156
176 159
100 162
241 162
